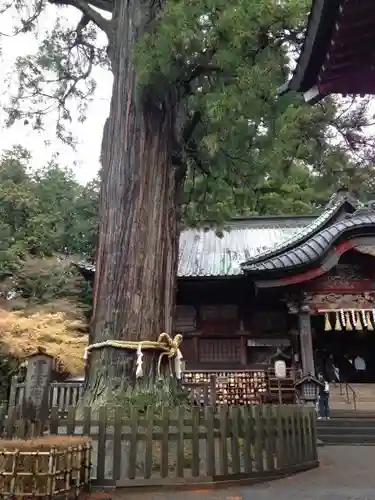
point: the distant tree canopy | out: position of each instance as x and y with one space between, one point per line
47 220
43 212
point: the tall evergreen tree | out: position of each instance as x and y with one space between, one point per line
193 97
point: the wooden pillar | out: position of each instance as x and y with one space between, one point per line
307 354
243 350
196 347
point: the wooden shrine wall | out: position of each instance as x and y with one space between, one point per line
219 328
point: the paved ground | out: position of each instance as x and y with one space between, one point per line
345 473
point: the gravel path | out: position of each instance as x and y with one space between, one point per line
345 473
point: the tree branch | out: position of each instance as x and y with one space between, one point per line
192 152
86 9
191 126
107 5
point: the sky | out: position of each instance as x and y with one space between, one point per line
85 160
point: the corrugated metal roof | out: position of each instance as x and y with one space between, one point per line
247 241
203 253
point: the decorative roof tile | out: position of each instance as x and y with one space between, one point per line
338 200
316 246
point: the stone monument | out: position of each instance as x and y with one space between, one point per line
35 405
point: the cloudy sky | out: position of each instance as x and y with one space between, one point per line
85 160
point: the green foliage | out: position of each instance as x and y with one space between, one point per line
242 149
43 212
248 151
45 280
47 220
165 393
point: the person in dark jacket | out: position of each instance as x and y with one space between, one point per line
323 398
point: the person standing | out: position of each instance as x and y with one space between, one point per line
360 366
323 398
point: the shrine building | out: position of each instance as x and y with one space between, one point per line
303 286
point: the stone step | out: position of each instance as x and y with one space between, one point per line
350 413
362 391
348 439
345 431
347 428
360 406
347 423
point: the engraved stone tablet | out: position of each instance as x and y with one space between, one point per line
37 384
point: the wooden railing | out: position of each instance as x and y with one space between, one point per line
188 445
61 395
65 394
351 395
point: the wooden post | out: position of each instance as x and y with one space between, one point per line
35 403
307 355
213 390
13 391
243 350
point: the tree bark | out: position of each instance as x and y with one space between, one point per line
136 264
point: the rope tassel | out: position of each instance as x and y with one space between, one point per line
342 317
338 327
139 363
168 346
348 322
356 320
178 365
327 324
364 319
369 322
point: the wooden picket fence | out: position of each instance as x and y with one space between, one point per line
198 445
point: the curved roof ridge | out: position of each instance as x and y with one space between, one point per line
311 249
335 203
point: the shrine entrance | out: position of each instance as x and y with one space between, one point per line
338 339
342 311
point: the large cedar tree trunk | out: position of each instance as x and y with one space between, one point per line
134 289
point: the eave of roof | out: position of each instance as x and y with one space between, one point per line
317 36
203 254
337 54
337 202
317 246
